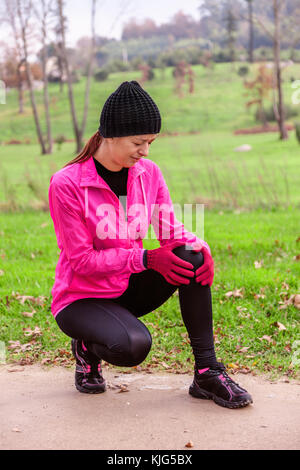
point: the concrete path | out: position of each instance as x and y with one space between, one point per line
41 409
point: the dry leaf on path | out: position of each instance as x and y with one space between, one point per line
189 444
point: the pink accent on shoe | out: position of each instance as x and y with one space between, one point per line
201 371
222 378
83 346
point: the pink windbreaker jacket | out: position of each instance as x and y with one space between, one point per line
101 246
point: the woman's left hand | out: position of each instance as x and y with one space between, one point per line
204 274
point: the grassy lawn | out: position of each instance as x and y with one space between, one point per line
252 209
217 103
201 168
248 323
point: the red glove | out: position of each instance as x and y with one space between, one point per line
204 274
169 265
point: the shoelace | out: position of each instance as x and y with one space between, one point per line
220 368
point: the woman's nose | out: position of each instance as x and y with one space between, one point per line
144 151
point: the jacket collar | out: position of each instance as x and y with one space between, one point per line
90 176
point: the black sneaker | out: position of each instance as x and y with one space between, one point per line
88 373
214 383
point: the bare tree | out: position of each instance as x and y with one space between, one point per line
43 10
251 31
10 18
24 10
78 130
275 34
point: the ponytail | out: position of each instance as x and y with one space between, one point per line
88 150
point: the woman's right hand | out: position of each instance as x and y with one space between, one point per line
169 265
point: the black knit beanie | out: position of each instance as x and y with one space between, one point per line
129 111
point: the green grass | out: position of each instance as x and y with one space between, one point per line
217 103
251 200
198 168
28 254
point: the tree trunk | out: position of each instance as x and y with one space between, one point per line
30 81
89 73
20 88
69 78
276 43
45 81
251 31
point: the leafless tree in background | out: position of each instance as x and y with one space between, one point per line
43 13
24 9
251 31
10 18
275 34
78 130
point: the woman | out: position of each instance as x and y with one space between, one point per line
104 278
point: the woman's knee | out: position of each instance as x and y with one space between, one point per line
135 349
189 255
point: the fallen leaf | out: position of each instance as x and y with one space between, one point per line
189 444
244 349
16 430
296 301
28 314
233 366
258 264
234 293
123 388
34 333
267 338
165 365
279 325
1 272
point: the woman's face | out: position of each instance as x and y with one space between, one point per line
126 151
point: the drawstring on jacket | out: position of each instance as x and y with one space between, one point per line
86 201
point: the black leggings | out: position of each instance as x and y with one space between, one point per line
111 330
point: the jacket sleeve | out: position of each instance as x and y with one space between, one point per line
75 239
164 221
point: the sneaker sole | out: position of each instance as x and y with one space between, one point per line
198 392
81 389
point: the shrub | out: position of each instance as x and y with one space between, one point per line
289 112
243 70
101 75
59 140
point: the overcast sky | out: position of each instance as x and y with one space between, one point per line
109 19
111 15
